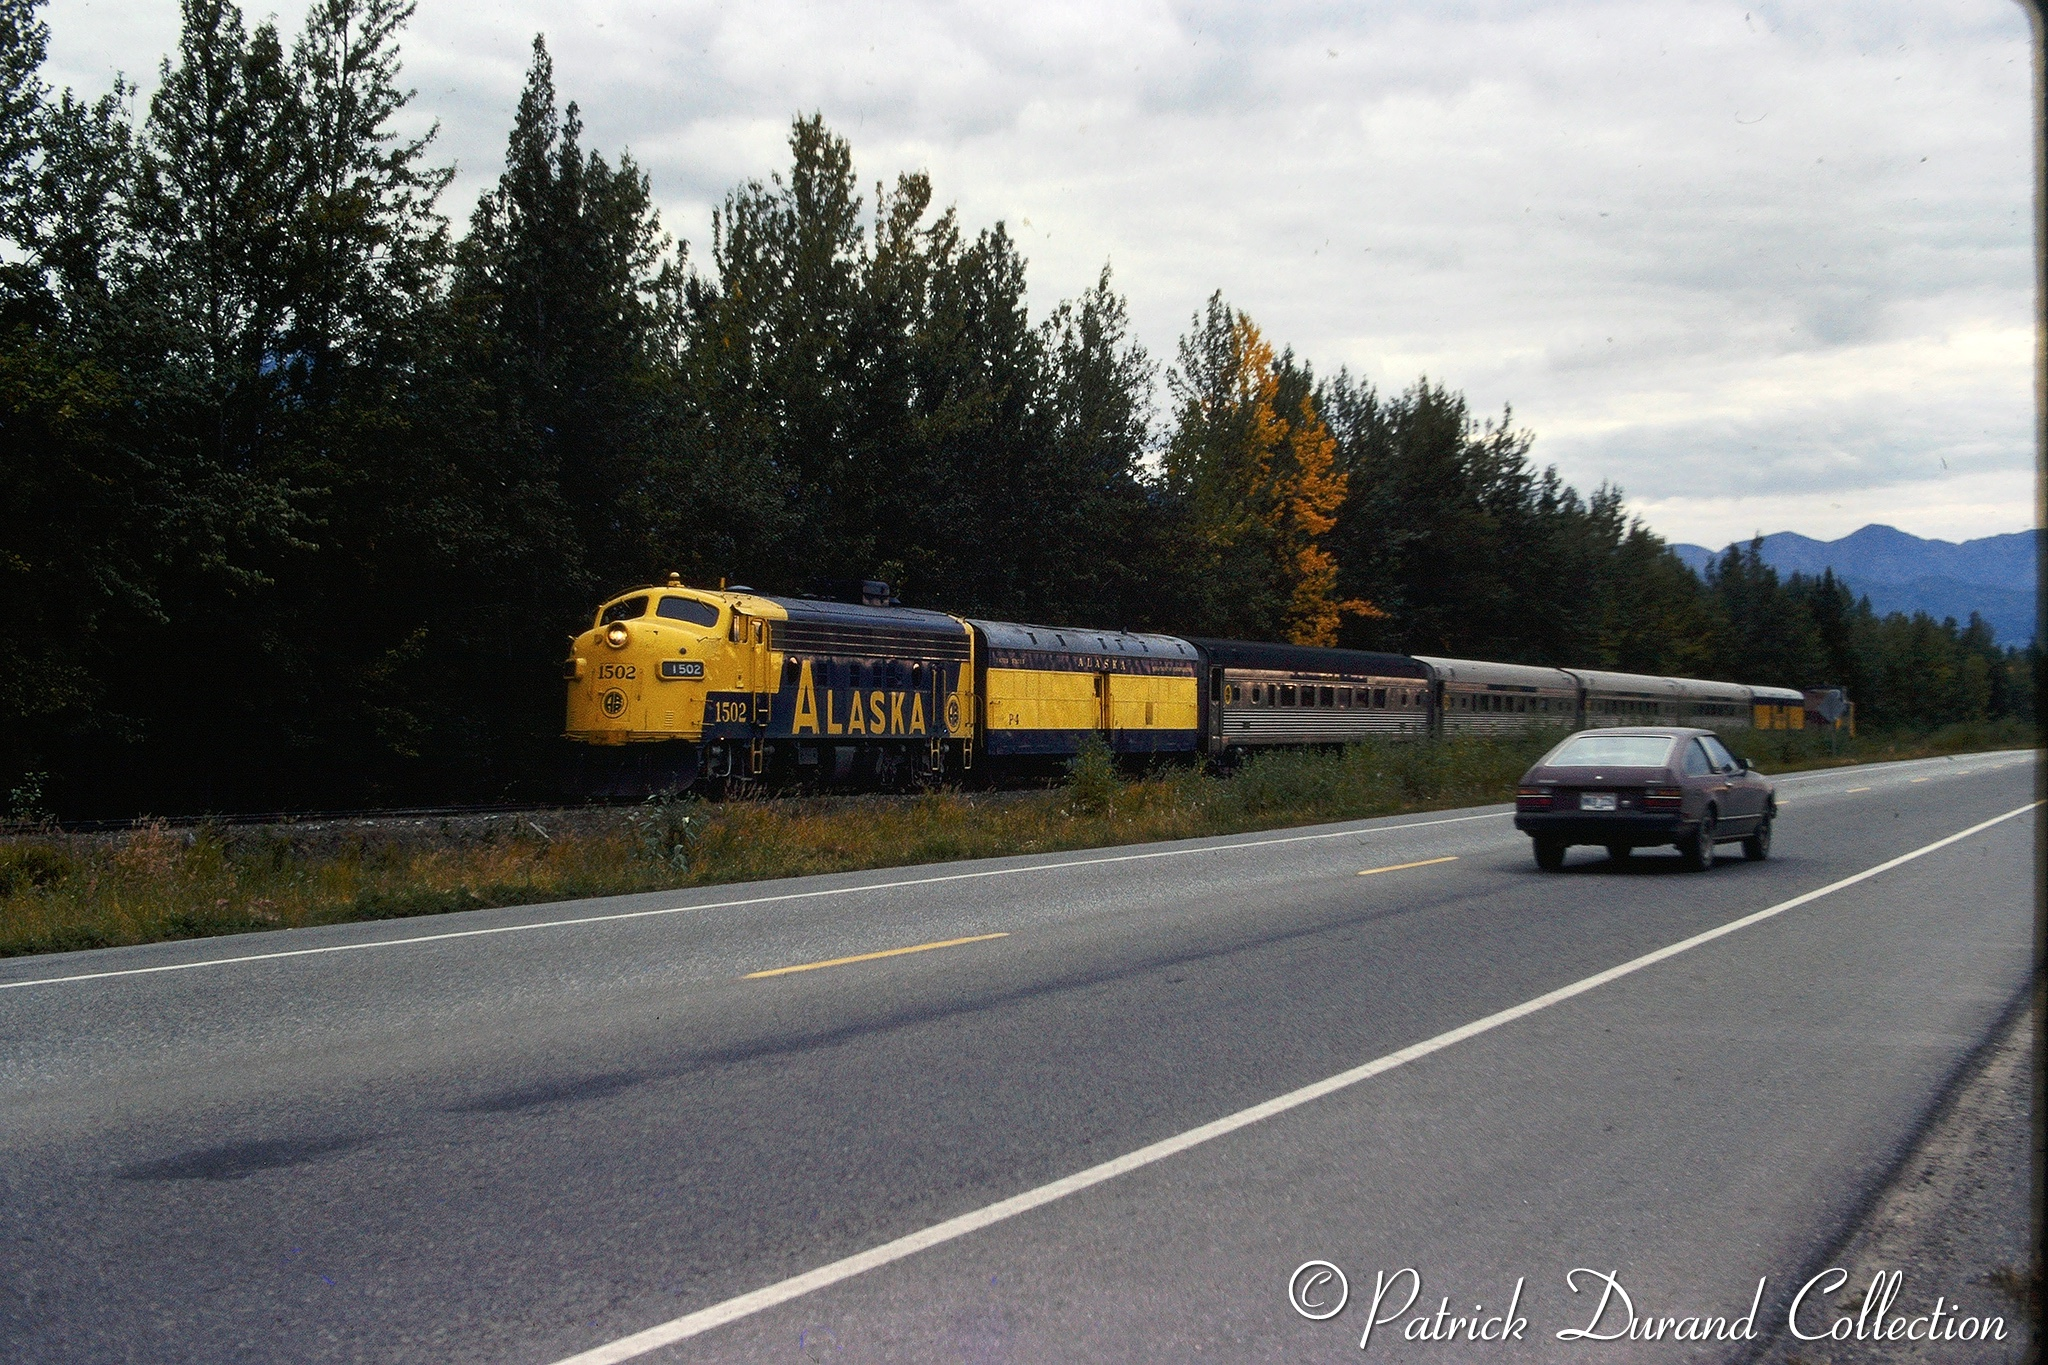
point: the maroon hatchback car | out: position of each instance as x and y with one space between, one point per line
1641 787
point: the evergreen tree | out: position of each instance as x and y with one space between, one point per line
776 362
72 225
24 43
371 236
1769 635
1424 539
1088 541
568 289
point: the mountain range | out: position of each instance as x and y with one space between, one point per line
1996 576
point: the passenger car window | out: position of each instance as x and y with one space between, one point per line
1697 764
1724 762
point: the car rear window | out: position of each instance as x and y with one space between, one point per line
1612 751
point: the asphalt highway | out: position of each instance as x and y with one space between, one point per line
525 1135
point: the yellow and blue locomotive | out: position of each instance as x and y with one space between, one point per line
686 684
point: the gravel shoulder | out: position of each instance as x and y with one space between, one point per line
1956 1221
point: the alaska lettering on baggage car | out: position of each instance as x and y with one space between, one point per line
848 711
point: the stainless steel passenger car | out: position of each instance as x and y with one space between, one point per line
1473 697
1628 698
1718 706
1258 695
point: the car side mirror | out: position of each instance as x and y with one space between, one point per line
1742 763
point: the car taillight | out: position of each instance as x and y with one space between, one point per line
1663 798
1532 798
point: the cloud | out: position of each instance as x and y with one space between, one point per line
1730 257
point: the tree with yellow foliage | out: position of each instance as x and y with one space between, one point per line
1254 480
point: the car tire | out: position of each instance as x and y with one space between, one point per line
1699 850
1549 853
1757 846
1619 852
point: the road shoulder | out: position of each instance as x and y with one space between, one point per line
1955 1221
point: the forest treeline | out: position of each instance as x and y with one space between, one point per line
305 484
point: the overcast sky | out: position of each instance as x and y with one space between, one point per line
1767 268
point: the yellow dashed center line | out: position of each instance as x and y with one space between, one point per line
1403 867
1853 790
1920 779
870 957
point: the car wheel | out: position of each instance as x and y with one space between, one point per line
1757 846
1619 852
1699 850
1549 854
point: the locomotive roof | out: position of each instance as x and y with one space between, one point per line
1306 658
816 611
1011 635
1777 696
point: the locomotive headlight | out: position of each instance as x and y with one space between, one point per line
616 635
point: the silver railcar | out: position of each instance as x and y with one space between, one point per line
1264 695
1608 699
1474 697
1718 706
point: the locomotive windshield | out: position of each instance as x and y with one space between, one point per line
688 609
626 610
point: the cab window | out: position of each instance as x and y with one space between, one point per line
687 609
629 609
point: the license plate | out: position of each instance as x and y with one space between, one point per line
1596 800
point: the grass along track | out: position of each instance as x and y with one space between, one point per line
62 891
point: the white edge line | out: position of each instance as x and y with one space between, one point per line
1995 760
717 1315
414 939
